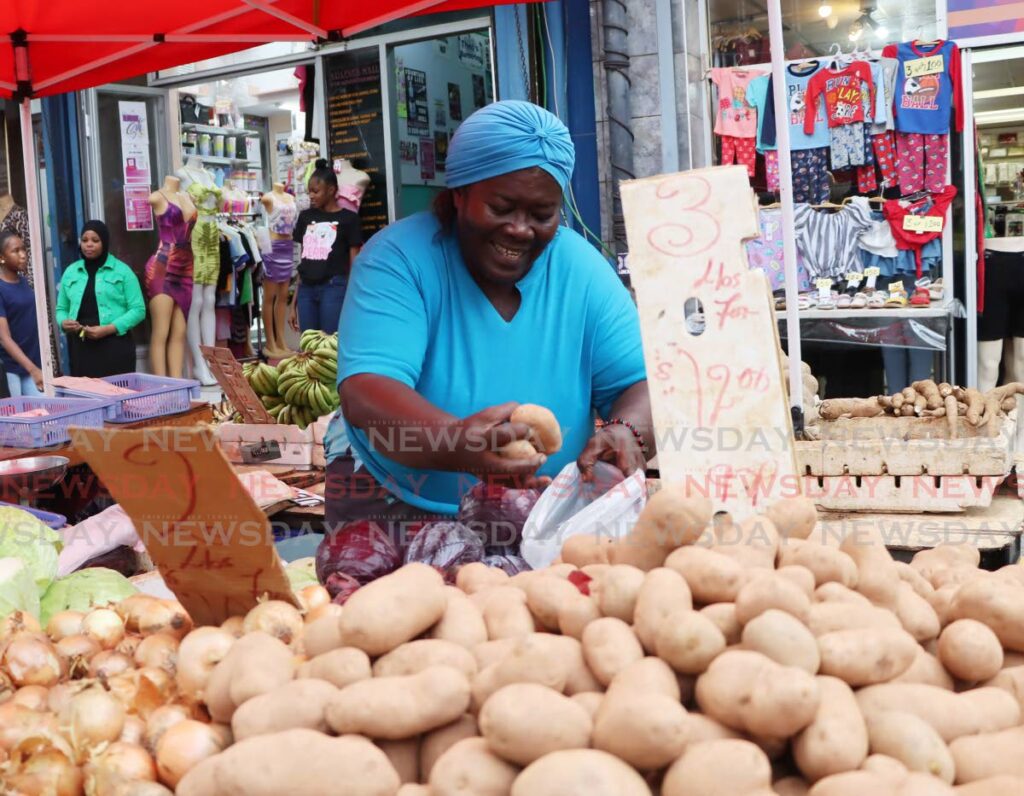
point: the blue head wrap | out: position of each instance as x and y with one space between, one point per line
508 136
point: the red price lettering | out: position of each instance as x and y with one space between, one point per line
730 308
719 280
755 380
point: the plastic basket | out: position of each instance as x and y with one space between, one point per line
52 429
155 396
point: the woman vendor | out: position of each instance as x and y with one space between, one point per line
455 317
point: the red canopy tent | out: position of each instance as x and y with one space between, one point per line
55 46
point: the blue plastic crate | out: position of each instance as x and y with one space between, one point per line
51 429
155 396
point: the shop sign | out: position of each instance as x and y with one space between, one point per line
975 19
135 164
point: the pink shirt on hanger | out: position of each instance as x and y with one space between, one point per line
735 117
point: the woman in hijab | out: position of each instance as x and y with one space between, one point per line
455 317
99 302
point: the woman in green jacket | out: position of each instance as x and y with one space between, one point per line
99 302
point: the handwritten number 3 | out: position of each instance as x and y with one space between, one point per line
697 230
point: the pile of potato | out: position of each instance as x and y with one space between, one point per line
695 657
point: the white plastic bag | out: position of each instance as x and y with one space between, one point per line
570 507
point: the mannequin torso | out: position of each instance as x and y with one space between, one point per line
352 184
170 193
282 212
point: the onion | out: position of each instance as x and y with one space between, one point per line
64 624
134 730
161 720
162 616
95 717
140 788
18 622
199 652
119 762
76 652
233 624
61 694
277 618
18 722
109 664
47 772
104 625
34 697
314 596
129 644
224 733
32 660
182 747
159 650
331 609
130 607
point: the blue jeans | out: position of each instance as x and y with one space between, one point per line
320 305
21 385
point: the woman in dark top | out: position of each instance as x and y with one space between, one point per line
330 238
99 302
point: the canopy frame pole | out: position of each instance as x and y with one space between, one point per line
291 19
35 231
777 43
391 16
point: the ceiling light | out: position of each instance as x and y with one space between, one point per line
856 31
824 10
995 93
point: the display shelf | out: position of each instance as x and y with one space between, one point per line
214 130
936 310
225 161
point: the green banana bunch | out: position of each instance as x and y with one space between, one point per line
264 379
271 401
311 339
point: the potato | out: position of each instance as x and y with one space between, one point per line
886 767
788 786
990 754
837 739
491 652
579 679
866 656
1010 680
877 578
576 613
300 703
838 593
670 519
462 622
532 660
724 617
579 772
912 741
545 597
470 768
663 591
298 762
436 742
617 590
917 582
255 664
525 721
688 641
918 784
916 614
413 789
827 564
943 557
321 635
941 601
475 577
394 708
795 517
711 576
771 590
1003 785
340 667
700 728
647 730
404 757
589 701
753 543
506 614
970 650
750 692
854 783
609 646
647 676
926 669
394 609
415 656
545 432
952 715
783 638
585 549
799 576
716 768
831 617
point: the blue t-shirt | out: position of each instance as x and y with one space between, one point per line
924 101
796 91
757 97
414 314
18 306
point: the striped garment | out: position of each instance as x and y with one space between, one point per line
828 239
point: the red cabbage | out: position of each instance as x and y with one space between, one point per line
360 550
497 514
341 587
511 564
446 546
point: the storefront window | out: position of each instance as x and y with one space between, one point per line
254 55
739 28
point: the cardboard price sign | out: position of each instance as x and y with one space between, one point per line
922 223
204 532
721 418
228 372
932 65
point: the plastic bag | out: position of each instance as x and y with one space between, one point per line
445 546
360 550
607 506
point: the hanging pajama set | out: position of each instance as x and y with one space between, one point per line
927 90
759 97
736 121
844 105
878 151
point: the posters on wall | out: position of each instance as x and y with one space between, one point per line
478 92
471 50
408 151
418 111
455 102
427 170
440 149
135 165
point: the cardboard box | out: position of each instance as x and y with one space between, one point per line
295 444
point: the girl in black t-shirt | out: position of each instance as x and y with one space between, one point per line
330 238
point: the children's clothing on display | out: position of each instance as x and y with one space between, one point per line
740 151
927 86
810 175
828 240
844 95
922 162
205 235
797 78
885 157
759 98
169 270
848 145
771 170
934 205
735 117
765 252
